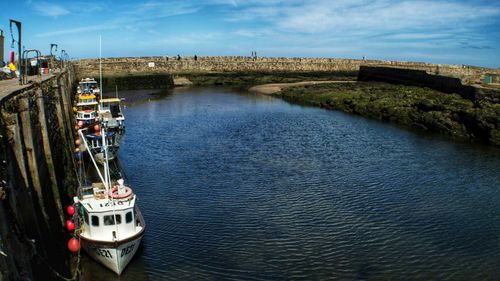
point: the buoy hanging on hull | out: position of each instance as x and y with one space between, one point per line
70 225
70 210
73 245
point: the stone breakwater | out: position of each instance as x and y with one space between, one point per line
36 177
131 65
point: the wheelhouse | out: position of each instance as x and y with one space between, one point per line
86 115
87 99
88 85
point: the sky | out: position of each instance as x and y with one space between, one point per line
440 31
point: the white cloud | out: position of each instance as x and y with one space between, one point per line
49 9
337 17
75 30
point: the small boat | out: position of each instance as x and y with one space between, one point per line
112 226
110 112
86 107
96 144
88 85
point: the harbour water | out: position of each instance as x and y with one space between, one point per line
236 186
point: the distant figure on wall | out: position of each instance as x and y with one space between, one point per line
178 57
195 57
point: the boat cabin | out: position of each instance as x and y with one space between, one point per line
111 105
86 115
88 85
111 113
86 99
95 140
101 222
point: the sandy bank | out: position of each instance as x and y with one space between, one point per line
269 89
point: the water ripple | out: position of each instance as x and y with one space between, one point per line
242 187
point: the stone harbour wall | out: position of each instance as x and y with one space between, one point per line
131 65
37 178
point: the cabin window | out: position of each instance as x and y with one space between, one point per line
95 221
86 217
108 220
128 217
86 116
118 219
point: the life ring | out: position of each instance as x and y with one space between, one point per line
113 193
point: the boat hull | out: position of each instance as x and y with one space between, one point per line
113 255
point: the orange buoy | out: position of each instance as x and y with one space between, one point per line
80 123
70 210
73 245
78 141
97 128
70 225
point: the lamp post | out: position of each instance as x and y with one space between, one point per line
25 57
19 44
52 45
63 56
1 48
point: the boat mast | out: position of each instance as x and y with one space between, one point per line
100 73
107 173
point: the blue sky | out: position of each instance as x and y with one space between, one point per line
449 31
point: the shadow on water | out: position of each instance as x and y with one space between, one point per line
135 97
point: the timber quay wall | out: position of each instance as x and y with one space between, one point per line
131 65
37 177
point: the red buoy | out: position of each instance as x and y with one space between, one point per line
97 128
11 57
70 210
73 245
70 225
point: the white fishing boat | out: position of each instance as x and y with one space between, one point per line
112 225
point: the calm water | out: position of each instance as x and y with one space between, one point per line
244 187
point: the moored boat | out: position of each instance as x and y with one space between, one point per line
112 225
110 112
